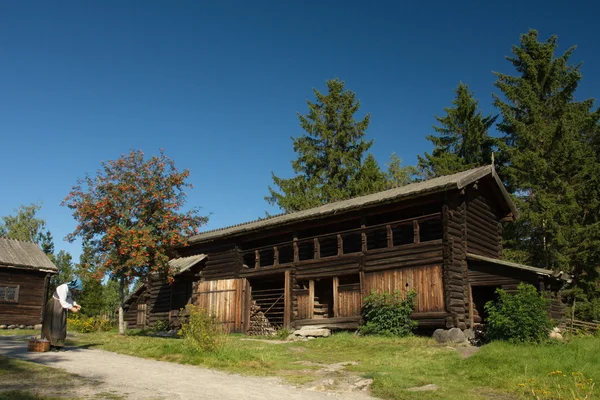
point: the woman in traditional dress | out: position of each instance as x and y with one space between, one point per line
54 327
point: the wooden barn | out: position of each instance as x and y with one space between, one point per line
25 272
441 237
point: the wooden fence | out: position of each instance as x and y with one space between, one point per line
577 325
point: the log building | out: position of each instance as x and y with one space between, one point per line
25 273
441 238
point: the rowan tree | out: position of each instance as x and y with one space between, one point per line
130 216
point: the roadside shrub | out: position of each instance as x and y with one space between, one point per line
201 330
388 314
79 323
522 317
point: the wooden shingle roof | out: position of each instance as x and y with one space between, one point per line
441 184
24 255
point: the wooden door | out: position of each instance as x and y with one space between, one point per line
349 300
226 299
141 316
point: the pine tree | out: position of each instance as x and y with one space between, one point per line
463 142
552 163
330 154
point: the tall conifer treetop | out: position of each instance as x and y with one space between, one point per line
463 139
330 154
551 162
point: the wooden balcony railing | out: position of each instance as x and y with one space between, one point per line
352 241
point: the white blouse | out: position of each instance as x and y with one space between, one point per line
64 296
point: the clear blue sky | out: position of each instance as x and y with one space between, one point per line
218 84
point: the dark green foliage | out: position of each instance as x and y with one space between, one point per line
397 175
552 164
331 162
92 297
46 242
463 141
162 325
388 314
522 317
63 262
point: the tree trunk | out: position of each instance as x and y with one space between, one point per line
121 303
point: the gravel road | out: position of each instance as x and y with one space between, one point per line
137 378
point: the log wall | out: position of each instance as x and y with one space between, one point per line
456 289
484 230
28 309
410 255
223 264
158 300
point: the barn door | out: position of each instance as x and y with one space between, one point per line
225 299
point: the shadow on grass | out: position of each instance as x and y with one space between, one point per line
21 395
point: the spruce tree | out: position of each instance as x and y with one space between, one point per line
551 160
330 153
463 139
397 175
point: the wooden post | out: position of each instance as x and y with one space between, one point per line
336 305
390 236
361 275
311 299
275 256
287 300
340 241
296 250
363 234
416 232
471 317
247 289
256 258
317 246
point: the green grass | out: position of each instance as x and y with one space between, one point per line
15 332
394 364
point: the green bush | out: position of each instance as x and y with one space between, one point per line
388 314
522 317
201 331
162 325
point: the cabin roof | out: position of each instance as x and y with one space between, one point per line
539 271
182 264
24 255
441 184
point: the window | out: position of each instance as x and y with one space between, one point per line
9 293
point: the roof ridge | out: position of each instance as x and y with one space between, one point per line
457 180
17 240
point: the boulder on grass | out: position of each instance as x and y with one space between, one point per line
313 332
455 335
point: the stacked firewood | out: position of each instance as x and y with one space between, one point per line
259 324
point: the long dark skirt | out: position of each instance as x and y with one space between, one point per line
54 326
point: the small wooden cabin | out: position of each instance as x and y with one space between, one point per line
25 272
441 237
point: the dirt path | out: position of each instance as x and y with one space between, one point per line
137 378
